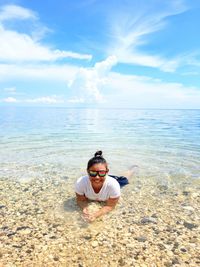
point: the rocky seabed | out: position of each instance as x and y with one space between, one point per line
153 225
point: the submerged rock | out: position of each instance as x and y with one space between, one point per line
188 208
94 244
146 220
87 237
64 177
11 233
183 249
186 193
22 228
141 238
121 262
190 226
37 230
163 187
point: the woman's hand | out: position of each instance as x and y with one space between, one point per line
85 211
91 216
82 201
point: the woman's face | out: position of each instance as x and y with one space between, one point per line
98 180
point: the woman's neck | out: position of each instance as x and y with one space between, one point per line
97 188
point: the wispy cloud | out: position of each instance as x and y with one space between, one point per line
46 100
17 46
130 31
54 99
88 82
48 72
119 90
141 91
191 73
9 100
16 12
10 90
30 64
76 100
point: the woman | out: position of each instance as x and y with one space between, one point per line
98 186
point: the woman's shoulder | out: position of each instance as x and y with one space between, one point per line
112 182
113 187
82 179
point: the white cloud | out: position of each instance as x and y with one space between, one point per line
190 73
25 58
123 91
53 99
48 72
87 84
46 100
16 12
133 30
145 92
138 58
76 100
17 46
9 100
10 90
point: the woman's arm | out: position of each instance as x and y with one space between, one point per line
82 201
110 205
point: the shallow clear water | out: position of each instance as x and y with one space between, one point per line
45 142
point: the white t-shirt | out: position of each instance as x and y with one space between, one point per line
110 188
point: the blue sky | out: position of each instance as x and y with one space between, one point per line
92 53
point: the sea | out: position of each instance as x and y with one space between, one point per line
46 142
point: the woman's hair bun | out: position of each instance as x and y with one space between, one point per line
98 154
97 159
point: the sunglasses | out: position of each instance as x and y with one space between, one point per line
100 173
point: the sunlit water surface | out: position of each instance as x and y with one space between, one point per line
46 142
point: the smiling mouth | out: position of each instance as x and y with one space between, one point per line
97 181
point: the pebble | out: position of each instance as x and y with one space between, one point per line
190 225
11 233
163 187
188 208
130 246
146 220
141 239
186 193
195 195
94 244
65 177
22 228
175 261
168 264
131 229
25 232
87 237
121 262
183 249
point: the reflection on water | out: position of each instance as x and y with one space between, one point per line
59 141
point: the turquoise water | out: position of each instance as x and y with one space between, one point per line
45 142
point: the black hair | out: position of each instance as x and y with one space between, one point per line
98 158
